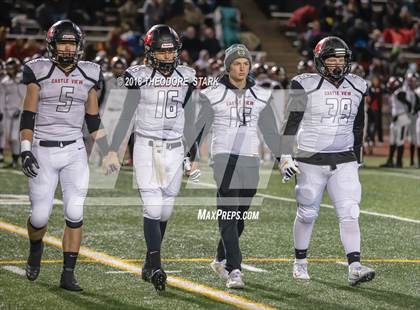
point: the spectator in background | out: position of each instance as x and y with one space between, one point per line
153 14
192 14
375 100
128 14
210 43
51 11
191 43
227 20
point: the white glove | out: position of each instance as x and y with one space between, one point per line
194 174
288 167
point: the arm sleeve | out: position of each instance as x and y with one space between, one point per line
294 115
268 126
204 120
358 126
127 114
100 83
28 76
189 106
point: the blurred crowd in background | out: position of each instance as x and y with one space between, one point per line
383 39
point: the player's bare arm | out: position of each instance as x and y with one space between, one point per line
30 108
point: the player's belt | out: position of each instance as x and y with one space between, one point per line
46 143
169 145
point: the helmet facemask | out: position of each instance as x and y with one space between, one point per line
325 50
162 65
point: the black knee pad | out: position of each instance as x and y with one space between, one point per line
74 225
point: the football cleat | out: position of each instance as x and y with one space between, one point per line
235 279
300 271
158 279
146 273
33 265
219 269
69 282
360 274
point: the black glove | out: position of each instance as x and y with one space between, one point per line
394 119
29 164
16 114
1 117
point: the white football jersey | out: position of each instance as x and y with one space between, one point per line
329 112
62 97
12 93
160 112
236 116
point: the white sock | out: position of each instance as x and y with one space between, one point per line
302 233
350 235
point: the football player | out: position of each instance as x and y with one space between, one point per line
11 99
60 96
159 104
234 110
400 107
409 87
325 120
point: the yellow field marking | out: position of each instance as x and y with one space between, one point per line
248 260
174 281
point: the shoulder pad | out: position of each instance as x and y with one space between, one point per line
358 82
308 81
186 72
91 69
261 93
40 66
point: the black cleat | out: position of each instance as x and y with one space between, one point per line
146 273
387 165
69 282
158 279
33 265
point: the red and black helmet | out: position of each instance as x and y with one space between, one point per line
332 47
161 38
394 82
65 31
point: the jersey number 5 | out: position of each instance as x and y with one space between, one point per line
167 101
66 99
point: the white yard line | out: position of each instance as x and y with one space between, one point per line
15 269
399 218
13 199
252 268
174 281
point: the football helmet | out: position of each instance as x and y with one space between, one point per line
161 38
394 82
65 31
102 60
118 66
305 66
12 66
332 47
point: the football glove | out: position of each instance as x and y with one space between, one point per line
288 167
195 174
29 164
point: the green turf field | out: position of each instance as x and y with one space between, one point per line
390 225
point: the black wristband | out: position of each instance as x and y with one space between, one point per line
27 121
93 122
